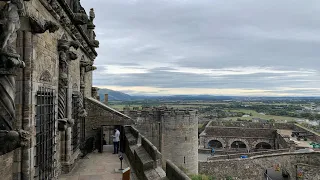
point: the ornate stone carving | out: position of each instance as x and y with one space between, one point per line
94 92
62 124
75 87
41 27
11 140
95 43
90 68
80 18
92 15
72 55
10 24
9 62
46 77
82 112
65 55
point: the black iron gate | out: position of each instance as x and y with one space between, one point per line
76 126
45 134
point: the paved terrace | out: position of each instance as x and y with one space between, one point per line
97 166
301 143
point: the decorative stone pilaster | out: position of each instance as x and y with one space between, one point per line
9 63
91 27
65 56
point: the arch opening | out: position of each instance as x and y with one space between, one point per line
263 145
215 144
238 144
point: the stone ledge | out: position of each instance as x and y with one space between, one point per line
105 107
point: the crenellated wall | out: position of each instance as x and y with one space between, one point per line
174 132
180 138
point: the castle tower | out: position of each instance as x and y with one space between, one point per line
179 142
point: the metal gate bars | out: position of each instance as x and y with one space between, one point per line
45 134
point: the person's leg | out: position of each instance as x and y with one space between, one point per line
114 147
117 147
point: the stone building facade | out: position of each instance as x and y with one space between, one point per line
46 63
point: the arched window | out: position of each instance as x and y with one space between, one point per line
215 144
263 145
238 144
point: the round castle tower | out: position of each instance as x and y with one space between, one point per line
179 142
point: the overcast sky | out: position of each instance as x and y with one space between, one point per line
218 47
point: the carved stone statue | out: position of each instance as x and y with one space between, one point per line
10 23
92 15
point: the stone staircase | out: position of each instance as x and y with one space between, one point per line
144 158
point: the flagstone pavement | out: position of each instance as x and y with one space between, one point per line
97 166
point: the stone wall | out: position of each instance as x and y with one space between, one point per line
315 137
308 171
174 173
38 46
100 114
148 123
227 135
237 155
253 168
6 164
252 124
173 132
180 139
239 132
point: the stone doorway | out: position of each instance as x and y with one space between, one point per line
107 132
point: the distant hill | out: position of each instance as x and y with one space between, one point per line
120 96
114 95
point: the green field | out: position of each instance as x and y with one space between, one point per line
255 114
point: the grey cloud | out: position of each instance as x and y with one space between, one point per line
207 34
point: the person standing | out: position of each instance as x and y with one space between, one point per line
116 139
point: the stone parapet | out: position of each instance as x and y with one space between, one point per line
174 173
145 158
253 168
237 155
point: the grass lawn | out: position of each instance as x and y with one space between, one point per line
255 114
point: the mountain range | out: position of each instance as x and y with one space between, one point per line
120 96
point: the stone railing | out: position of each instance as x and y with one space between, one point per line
151 150
237 155
145 158
174 173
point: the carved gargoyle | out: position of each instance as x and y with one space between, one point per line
90 68
70 122
10 60
95 43
80 18
82 112
64 45
41 27
62 124
72 55
11 140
